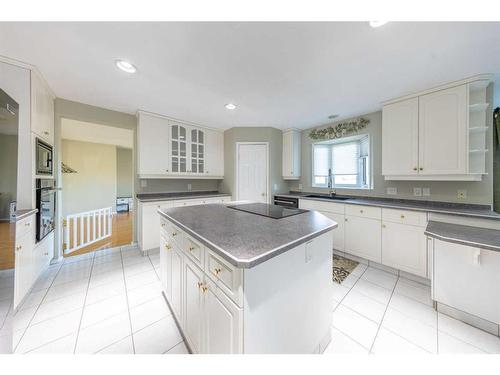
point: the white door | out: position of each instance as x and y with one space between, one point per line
252 171
404 247
193 314
443 132
363 237
400 138
222 322
176 284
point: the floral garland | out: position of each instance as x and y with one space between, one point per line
340 130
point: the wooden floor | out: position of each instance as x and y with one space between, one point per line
121 234
7 243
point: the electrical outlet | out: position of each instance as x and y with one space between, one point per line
300 186
189 187
417 191
391 191
144 183
426 192
462 194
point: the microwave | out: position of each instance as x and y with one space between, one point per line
44 158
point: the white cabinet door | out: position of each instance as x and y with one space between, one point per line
338 233
223 322
214 153
193 305
24 264
404 247
179 144
165 264
291 155
42 109
176 283
467 279
443 132
363 237
153 145
400 138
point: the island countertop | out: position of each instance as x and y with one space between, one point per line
244 239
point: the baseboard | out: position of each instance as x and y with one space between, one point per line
475 321
177 323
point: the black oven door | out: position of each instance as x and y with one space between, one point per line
44 160
46 204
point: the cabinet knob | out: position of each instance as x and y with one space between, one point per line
46 133
191 248
402 216
415 169
18 248
345 219
46 254
200 284
383 225
166 170
204 288
168 247
421 168
360 211
174 234
291 173
217 271
27 224
163 224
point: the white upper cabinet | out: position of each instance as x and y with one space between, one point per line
42 109
291 154
438 134
153 145
400 138
172 149
443 132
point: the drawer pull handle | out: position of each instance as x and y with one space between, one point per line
27 224
361 211
415 169
174 234
162 224
18 248
204 288
168 247
217 271
200 284
46 254
191 248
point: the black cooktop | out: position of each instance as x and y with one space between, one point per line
268 210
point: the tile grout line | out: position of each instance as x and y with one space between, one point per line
37 307
128 303
383 316
84 302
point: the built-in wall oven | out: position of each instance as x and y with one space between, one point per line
46 205
286 201
44 158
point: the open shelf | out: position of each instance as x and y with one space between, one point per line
478 107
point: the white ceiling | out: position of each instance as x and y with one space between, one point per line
96 133
279 74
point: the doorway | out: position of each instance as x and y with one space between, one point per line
252 171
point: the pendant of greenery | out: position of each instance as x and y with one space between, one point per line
340 130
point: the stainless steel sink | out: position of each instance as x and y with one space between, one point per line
333 198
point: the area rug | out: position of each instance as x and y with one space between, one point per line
342 267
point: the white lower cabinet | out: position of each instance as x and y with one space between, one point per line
176 282
193 305
404 247
338 233
363 237
467 278
24 263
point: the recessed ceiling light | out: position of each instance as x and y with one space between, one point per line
377 23
126 66
230 106
331 117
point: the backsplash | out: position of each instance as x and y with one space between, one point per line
174 185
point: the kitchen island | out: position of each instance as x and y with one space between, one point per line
239 282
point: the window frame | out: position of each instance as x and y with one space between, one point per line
363 178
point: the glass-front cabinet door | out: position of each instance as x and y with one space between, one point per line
178 141
197 151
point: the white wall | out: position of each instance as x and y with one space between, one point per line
124 172
94 184
8 173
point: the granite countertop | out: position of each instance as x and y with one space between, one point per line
22 214
469 210
151 197
465 235
244 239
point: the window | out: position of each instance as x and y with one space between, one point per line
345 160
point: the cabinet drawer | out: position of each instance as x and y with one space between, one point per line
25 226
194 250
174 234
227 277
337 208
363 211
405 217
188 202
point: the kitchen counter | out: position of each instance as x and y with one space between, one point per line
465 235
469 210
22 214
244 239
151 197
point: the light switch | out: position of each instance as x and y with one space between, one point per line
417 191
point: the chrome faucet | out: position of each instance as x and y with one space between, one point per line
332 192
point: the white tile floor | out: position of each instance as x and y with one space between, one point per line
110 302
379 312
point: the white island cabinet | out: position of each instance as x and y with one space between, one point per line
263 304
